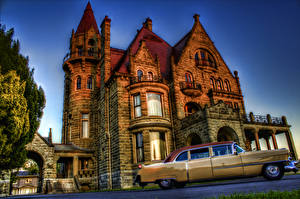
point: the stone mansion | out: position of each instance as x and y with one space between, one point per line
123 107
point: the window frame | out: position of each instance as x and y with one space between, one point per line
78 83
139 74
161 103
164 153
137 147
135 106
82 120
89 83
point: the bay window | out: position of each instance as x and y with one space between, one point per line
139 147
158 146
154 104
137 105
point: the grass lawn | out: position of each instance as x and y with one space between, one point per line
269 195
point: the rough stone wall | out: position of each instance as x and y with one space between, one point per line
4 183
46 153
201 74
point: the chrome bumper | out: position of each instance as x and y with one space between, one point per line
291 166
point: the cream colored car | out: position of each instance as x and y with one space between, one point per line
213 161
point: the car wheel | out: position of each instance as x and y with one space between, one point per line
273 171
179 184
165 184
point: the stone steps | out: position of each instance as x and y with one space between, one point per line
66 185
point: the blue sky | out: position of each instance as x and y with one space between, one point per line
259 39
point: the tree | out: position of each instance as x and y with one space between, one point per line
14 118
12 60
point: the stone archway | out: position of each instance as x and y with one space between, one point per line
40 162
193 139
42 151
227 134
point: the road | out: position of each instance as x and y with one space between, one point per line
258 184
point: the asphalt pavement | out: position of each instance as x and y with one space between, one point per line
202 190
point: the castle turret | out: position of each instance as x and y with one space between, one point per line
81 66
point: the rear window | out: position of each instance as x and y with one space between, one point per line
199 153
222 150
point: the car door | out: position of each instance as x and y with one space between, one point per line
199 165
180 167
225 163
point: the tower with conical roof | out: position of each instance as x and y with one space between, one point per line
81 81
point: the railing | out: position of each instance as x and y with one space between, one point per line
192 85
204 62
261 119
87 53
145 78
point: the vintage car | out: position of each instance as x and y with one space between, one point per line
214 161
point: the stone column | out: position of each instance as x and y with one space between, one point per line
274 140
268 143
290 142
257 139
75 165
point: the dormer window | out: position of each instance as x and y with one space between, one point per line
139 75
150 76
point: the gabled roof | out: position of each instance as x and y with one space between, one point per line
87 21
116 56
157 47
178 48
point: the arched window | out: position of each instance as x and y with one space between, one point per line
80 50
197 58
91 42
205 59
78 83
190 108
140 75
89 84
212 84
219 84
227 86
150 76
188 79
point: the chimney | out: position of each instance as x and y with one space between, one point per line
196 17
50 136
148 24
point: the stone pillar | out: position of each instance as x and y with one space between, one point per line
290 142
75 165
257 139
274 140
268 143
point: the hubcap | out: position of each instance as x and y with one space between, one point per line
273 170
165 183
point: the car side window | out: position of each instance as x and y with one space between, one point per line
238 148
199 153
222 150
182 157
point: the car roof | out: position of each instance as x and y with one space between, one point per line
174 154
